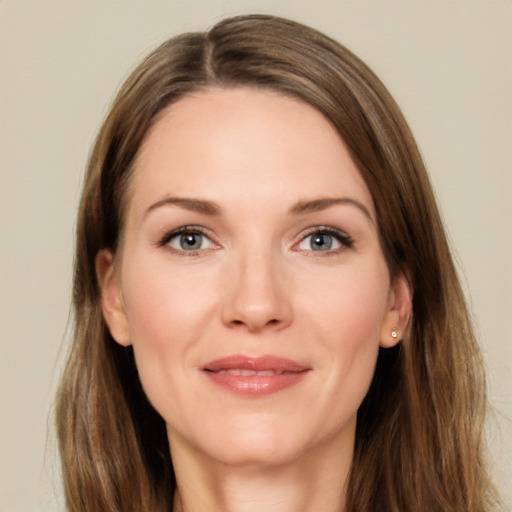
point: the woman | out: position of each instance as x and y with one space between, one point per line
267 315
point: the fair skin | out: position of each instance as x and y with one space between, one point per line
280 260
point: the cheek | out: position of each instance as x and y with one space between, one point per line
167 314
162 306
350 317
353 303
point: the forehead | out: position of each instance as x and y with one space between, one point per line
244 144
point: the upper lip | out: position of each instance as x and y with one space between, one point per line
258 363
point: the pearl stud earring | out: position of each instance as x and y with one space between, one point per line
394 334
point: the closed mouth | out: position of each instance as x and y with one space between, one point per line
255 376
266 363
247 373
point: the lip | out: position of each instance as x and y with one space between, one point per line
255 376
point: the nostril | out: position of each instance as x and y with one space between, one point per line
255 327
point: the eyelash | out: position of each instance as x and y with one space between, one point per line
343 238
185 230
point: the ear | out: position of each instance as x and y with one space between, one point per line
112 298
397 317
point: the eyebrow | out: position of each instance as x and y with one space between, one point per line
320 204
300 208
192 204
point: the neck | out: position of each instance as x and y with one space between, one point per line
315 481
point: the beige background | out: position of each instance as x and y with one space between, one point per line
449 65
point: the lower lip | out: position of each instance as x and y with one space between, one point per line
256 385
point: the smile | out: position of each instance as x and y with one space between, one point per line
247 373
254 376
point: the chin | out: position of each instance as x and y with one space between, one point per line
259 452
261 441
247 441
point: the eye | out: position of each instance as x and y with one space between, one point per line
325 240
188 242
187 239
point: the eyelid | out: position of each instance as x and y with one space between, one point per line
341 236
163 240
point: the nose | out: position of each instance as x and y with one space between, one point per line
257 297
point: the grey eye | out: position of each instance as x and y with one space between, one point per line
319 242
190 241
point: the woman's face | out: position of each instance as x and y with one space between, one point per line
250 280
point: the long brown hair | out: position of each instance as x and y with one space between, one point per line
419 429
